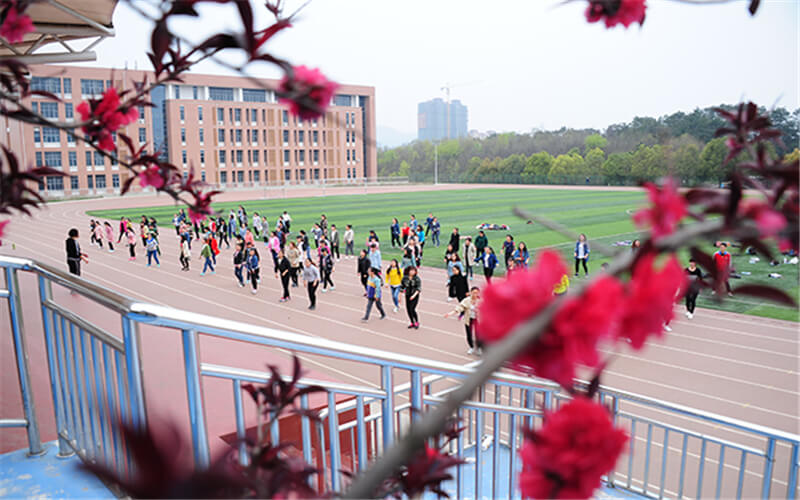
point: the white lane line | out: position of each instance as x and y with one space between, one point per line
656 345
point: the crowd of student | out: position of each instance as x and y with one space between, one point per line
312 256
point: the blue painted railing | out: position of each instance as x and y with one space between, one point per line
96 382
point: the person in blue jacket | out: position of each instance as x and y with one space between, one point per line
253 268
581 254
489 261
395 230
521 257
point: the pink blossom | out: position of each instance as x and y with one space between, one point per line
650 298
567 456
16 26
667 209
106 115
769 220
3 224
151 176
308 93
613 12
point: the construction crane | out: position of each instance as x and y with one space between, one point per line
446 89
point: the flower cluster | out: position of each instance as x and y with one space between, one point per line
667 210
105 116
567 456
307 92
3 224
608 310
15 24
614 12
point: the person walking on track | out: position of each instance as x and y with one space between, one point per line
467 309
152 250
581 254
253 267
349 238
74 254
239 258
285 271
205 254
311 277
411 287
326 269
695 275
394 278
185 254
489 261
373 294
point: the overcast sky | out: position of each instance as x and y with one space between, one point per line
524 64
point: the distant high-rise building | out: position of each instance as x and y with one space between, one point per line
433 123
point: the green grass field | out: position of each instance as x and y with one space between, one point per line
603 215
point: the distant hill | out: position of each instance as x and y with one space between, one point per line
391 138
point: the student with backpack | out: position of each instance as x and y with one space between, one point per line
253 268
205 253
374 284
152 250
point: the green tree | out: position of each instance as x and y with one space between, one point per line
688 166
617 168
711 160
566 169
594 162
595 141
537 167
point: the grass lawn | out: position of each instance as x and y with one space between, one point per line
603 215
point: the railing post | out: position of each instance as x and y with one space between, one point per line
333 441
769 463
194 395
615 420
416 394
21 353
792 485
387 407
45 292
130 336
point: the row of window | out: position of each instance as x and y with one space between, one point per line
53 159
89 87
56 183
254 156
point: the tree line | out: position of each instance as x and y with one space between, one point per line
680 144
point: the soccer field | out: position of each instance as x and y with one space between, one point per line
603 215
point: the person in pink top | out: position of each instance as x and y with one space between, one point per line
131 243
98 234
109 235
274 247
249 240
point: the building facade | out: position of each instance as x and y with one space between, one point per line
230 130
438 120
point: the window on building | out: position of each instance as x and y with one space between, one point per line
89 159
315 137
238 136
249 156
46 84
246 115
50 110
316 156
51 135
182 113
108 84
141 113
301 135
239 156
231 135
220 115
286 156
100 181
302 174
256 176
230 114
73 158
263 116
255 157
142 135
55 183
115 181
302 156
221 136
223 177
183 135
194 92
240 176
37 135
74 182
222 157
203 176
254 116
202 134
285 118
237 115
254 95
90 182
39 161
69 112
220 93
70 139
254 136
68 86
347 119
91 87
114 161
200 114
183 156
35 107
348 156
99 160
285 137
202 156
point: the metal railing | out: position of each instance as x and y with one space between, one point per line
96 375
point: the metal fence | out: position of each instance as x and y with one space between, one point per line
96 378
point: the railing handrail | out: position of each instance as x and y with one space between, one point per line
170 317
